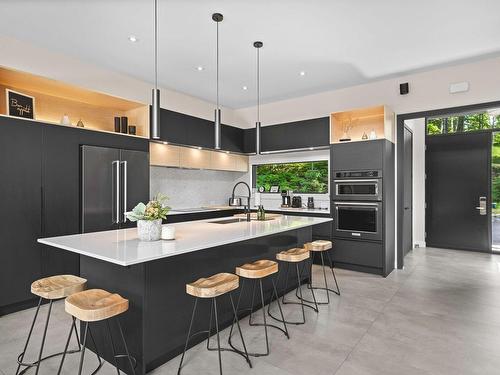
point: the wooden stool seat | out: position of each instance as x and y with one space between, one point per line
319 245
95 304
213 286
60 286
258 269
293 255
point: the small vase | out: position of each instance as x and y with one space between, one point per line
149 230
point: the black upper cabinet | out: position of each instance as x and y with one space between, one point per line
21 203
291 135
188 130
357 155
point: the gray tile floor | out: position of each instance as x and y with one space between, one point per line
440 315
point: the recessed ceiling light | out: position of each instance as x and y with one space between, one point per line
199 68
311 148
245 88
165 143
302 73
133 38
227 152
199 148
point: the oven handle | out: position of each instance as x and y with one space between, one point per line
355 204
348 181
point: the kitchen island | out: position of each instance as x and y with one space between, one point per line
153 275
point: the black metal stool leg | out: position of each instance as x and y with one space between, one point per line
188 335
279 307
209 332
217 332
264 315
66 347
82 356
241 334
113 347
333 273
132 366
20 358
44 337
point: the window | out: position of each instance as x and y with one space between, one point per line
301 177
461 123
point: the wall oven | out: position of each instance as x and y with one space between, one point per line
357 185
358 220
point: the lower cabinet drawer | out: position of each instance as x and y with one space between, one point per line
369 254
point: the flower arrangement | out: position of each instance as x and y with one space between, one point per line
153 210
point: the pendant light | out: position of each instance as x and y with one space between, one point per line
217 17
155 111
258 45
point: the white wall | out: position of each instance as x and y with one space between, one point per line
192 188
428 90
25 57
418 128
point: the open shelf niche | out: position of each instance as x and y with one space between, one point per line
54 99
379 119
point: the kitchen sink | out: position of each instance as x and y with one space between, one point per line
228 221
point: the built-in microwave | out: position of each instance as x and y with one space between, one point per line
357 185
358 220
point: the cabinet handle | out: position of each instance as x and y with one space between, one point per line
116 208
125 182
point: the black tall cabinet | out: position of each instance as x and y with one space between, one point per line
40 197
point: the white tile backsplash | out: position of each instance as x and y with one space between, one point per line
190 188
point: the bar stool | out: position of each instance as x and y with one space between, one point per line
96 305
50 288
321 246
213 287
257 271
297 256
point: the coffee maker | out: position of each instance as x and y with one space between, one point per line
286 200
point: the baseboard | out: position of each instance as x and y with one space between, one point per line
419 244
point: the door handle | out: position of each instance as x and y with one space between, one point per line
125 182
482 206
116 201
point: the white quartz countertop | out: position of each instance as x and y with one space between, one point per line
122 246
222 208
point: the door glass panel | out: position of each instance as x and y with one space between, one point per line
357 189
495 192
357 219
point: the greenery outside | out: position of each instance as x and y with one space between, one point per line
463 123
302 177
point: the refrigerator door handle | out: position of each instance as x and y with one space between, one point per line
125 183
116 188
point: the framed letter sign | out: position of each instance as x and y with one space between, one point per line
20 105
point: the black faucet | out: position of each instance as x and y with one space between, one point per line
247 207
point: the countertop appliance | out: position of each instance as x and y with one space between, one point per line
297 201
286 200
113 182
357 185
310 202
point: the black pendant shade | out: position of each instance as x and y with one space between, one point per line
258 45
217 18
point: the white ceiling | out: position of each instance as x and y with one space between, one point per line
338 43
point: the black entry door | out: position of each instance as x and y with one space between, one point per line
458 172
408 192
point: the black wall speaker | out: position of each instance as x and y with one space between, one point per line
404 88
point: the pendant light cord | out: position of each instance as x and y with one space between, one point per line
258 84
156 43
217 65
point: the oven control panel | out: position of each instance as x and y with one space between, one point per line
358 174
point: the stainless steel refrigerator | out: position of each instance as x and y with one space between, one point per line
113 181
